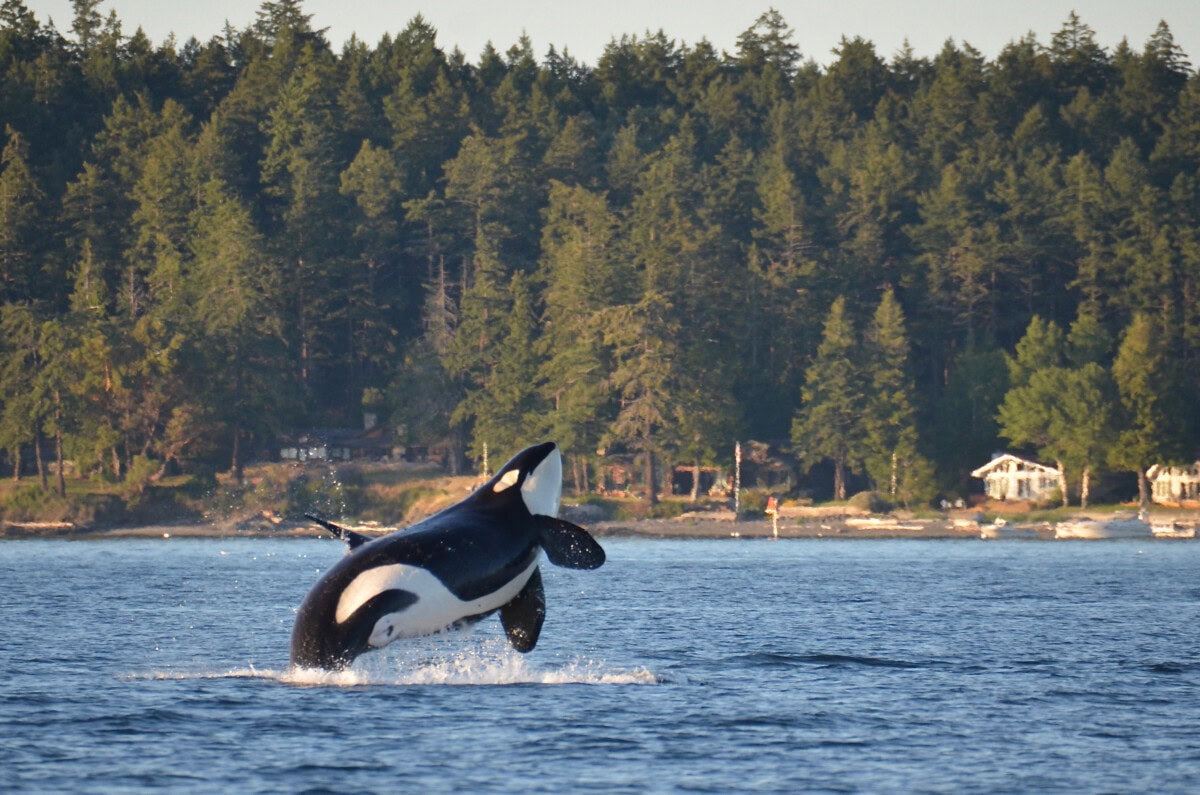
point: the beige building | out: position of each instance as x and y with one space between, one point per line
1174 484
1009 477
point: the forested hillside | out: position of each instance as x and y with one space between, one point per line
898 265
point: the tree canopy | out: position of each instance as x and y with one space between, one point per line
206 244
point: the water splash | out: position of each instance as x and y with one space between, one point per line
482 665
468 669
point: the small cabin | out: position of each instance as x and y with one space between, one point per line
1174 484
376 443
1009 477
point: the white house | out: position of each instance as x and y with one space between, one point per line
1174 484
1007 477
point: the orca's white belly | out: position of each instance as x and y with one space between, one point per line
436 607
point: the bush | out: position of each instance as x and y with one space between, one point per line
24 504
138 478
753 501
334 494
666 509
31 504
870 501
1048 500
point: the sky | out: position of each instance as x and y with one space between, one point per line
583 29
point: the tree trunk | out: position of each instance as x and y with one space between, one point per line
116 463
235 464
16 454
1062 484
651 484
1143 490
454 453
587 486
839 479
37 455
696 481
58 454
1085 486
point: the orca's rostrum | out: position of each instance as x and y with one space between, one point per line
458 566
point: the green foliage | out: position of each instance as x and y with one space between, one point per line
34 504
329 495
1065 412
27 503
753 502
833 401
1154 423
662 253
870 501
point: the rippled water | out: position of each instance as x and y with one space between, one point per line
680 666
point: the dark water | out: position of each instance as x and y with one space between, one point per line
681 666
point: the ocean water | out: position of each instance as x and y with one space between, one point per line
820 665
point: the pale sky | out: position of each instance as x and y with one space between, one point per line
585 28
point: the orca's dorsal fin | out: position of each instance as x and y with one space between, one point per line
567 544
522 617
353 540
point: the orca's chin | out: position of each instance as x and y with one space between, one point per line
542 489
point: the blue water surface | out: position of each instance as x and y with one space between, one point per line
806 665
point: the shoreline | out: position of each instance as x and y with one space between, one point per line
694 526
679 528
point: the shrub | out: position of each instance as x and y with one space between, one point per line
870 501
1048 500
137 479
31 504
753 501
334 494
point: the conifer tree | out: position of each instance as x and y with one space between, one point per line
505 405
582 276
893 459
828 425
300 173
976 381
785 299
423 393
479 334
709 207
21 222
101 350
234 293
642 337
20 424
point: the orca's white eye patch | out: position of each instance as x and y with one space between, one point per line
542 488
509 478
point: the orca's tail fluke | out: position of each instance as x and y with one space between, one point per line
352 539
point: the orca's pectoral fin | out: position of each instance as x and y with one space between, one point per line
522 617
353 539
567 544
365 620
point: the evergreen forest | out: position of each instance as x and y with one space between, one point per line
889 268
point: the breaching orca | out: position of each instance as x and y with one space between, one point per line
454 568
